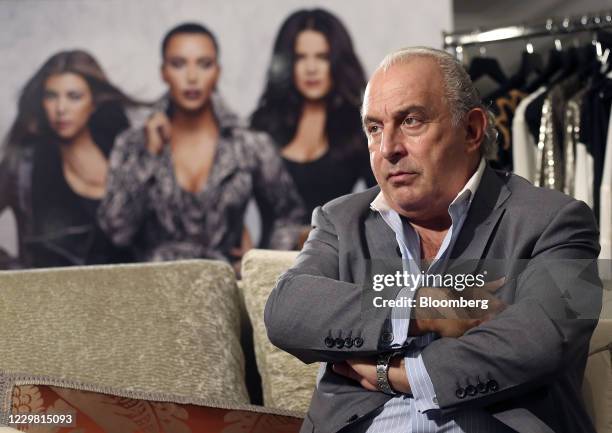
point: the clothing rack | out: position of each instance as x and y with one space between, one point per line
551 27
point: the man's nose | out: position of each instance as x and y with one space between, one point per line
391 145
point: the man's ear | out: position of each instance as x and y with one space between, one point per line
475 127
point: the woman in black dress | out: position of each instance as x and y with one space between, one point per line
54 165
310 107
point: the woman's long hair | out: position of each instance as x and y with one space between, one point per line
280 107
107 121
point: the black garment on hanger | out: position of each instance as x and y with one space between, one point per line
486 67
553 65
560 66
530 65
594 122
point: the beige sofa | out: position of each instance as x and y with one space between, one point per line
165 337
146 347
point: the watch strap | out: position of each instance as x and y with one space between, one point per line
382 373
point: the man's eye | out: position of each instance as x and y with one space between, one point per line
373 129
411 121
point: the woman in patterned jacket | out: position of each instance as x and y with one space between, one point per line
178 188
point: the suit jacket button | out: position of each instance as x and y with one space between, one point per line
470 390
492 385
329 342
348 342
352 418
339 343
482 388
460 393
358 341
387 337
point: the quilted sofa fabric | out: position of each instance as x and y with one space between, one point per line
286 382
164 328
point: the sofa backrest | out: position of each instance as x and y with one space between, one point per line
163 328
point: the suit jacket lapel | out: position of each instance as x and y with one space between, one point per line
383 257
485 211
380 238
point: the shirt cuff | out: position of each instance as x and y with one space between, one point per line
420 382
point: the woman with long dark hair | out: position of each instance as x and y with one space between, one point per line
179 188
310 106
55 160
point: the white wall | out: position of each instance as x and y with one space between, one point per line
124 35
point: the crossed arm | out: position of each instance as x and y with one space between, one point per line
525 344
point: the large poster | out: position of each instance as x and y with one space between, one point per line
121 42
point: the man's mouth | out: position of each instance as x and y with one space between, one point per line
401 177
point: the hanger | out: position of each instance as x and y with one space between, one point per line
602 41
553 65
531 63
531 67
482 66
569 65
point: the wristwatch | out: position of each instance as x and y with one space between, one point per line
382 372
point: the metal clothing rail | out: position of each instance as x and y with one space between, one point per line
551 27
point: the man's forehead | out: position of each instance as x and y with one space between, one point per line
414 82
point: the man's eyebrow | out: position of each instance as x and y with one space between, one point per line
369 119
400 113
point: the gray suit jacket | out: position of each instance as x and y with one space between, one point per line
532 355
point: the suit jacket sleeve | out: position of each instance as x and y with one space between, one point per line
544 332
309 305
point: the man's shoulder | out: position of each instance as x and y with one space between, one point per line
525 194
354 203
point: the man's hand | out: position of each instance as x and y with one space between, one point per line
158 130
454 322
364 372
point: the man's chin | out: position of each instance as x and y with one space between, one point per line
407 204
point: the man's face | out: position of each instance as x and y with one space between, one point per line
420 160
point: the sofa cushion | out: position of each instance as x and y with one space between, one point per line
165 327
286 382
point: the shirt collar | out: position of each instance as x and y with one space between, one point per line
380 204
